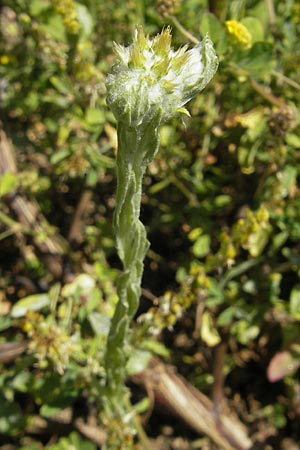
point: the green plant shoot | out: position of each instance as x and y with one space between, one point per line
148 85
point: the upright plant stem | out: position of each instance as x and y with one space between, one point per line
148 85
137 147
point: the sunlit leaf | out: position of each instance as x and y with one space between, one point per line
33 302
138 361
208 333
255 27
8 183
201 246
294 305
100 323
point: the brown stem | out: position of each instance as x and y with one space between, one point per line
268 95
75 232
217 391
10 350
197 410
183 30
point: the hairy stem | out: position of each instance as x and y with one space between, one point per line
137 147
148 85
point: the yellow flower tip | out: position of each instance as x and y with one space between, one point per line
140 40
137 58
162 42
168 86
239 32
161 66
120 53
183 111
180 57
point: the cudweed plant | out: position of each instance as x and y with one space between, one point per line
149 84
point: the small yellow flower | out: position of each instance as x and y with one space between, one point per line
239 33
4 60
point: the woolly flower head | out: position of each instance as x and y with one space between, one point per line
150 80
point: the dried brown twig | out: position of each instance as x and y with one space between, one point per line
177 395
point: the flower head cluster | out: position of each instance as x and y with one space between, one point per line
150 79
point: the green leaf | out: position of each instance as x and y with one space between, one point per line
215 293
195 233
155 188
250 286
36 7
142 406
55 27
94 116
222 200
31 303
31 447
288 179
259 61
84 18
155 347
5 323
8 183
208 332
210 24
294 304
293 140
138 361
72 442
255 28
92 177
166 134
49 410
10 417
226 316
59 156
54 295
201 246
279 240
82 283
61 84
258 241
21 381
100 323
244 331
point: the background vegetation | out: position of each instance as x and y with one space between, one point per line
221 285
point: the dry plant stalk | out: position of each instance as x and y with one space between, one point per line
198 411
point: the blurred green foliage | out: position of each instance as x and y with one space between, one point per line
221 205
